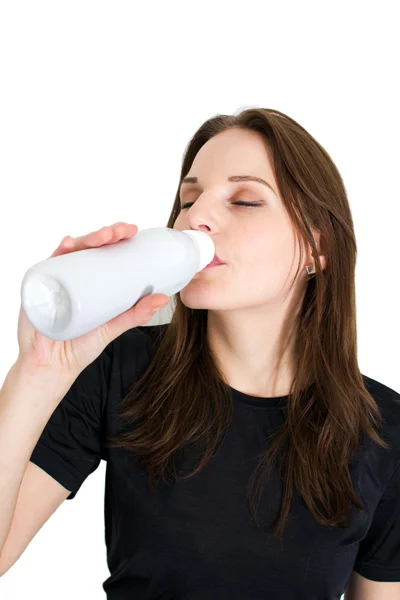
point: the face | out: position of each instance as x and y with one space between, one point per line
257 243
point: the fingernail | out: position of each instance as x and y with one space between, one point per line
156 308
151 313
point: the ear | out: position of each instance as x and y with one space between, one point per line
319 241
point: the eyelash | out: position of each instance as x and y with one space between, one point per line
239 203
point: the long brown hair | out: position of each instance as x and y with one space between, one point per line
329 407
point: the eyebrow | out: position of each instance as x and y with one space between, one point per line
235 178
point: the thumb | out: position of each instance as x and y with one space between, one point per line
139 314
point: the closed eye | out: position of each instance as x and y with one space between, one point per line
238 202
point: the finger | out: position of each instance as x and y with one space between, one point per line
106 235
138 315
66 245
149 303
109 234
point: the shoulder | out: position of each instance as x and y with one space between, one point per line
387 399
388 402
382 391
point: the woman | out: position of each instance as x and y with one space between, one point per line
247 456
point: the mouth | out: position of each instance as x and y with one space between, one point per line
216 262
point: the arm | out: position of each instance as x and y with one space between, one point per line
27 401
38 498
360 588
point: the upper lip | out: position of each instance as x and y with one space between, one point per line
217 260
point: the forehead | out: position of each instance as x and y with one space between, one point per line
232 152
232 156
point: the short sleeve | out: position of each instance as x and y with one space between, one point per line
70 446
378 557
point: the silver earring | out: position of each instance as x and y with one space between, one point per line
310 269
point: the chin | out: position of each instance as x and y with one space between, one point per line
193 299
197 305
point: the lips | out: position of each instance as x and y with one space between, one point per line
217 261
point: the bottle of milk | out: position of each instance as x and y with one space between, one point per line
67 296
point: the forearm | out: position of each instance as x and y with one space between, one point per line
28 398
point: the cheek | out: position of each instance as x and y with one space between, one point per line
176 224
268 262
269 248
285 253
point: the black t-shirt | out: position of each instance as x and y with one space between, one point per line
195 540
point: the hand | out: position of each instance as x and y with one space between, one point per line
37 351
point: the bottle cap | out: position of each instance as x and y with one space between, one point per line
205 245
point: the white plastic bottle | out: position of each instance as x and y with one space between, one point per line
67 296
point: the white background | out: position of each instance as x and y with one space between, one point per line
97 103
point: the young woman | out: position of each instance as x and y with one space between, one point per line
247 456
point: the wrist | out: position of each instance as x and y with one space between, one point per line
52 375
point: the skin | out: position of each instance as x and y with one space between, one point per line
249 319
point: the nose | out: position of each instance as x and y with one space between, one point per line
199 217
203 227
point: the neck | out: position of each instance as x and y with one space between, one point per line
255 357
